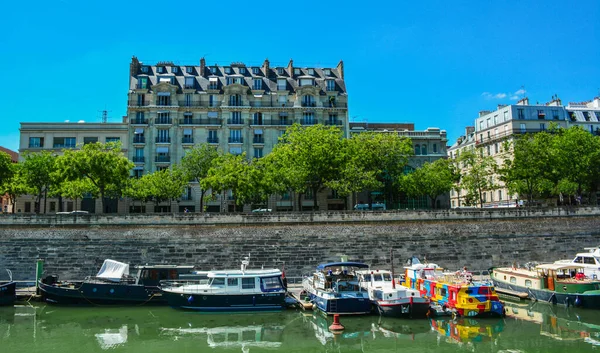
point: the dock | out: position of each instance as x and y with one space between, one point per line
294 292
512 293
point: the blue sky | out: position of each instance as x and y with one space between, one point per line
434 63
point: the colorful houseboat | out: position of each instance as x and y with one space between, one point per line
334 289
557 283
454 293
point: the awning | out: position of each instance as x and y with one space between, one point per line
187 131
162 94
139 131
162 149
258 131
213 114
213 79
113 270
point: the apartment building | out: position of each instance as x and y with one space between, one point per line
237 108
56 137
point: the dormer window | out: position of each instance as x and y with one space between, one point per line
311 71
306 82
280 71
145 69
281 84
142 82
256 70
238 80
213 69
160 69
174 69
296 71
326 72
330 85
242 70
189 69
189 82
227 70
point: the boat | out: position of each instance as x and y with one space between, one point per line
556 283
230 290
113 285
8 290
390 299
467 330
334 289
589 261
453 293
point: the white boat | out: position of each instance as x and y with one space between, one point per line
589 261
392 299
230 290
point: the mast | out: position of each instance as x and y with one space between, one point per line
392 269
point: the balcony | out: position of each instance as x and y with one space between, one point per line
138 121
139 139
309 122
212 140
164 121
334 105
258 139
163 140
236 140
334 123
213 87
284 122
187 139
235 122
309 104
191 104
198 121
503 134
138 159
162 159
35 145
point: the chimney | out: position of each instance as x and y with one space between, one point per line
134 67
523 101
291 67
595 103
469 130
266 68
340 68
202 66
555 102
484 112
500 106
125 119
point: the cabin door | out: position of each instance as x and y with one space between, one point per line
550 283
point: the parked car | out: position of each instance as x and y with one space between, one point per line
262 210
378 206
77 213
361 207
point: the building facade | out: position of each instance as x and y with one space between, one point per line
236 108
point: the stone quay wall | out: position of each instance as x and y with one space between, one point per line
75 246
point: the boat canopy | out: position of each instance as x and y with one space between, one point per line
342 264
113 270
558 266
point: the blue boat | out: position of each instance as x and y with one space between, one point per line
8 290
334 289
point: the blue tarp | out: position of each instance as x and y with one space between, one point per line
344 264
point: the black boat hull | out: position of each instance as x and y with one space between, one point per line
8 293
406 310
84 293
586 301
226 302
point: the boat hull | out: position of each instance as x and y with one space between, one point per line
225 302
342 305
7 293
586 301
78 293
403 310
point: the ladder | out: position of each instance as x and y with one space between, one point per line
333 306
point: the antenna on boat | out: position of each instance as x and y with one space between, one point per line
245 263
392 269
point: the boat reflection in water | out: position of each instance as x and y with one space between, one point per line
229 337
467 331
559 323
112 338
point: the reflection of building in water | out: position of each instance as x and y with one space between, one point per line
112 338
233 336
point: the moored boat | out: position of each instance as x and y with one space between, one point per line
454 292
334 289
390 299
230 290
589 261
557 283
8 290
113 285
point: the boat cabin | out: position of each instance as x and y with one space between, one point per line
560 277
244 281
338 276
146 275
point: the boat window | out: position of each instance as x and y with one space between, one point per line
218 282
513 279
232 282
387 277
443 292
527 283
367 278
578 260
377 277
270 283
248 283
589 260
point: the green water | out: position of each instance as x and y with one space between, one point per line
43 328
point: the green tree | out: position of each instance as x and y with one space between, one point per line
432 179
139 189
310 157
196 163
14 186
104 165
477 175
36 171
76 189
232 172
5 167
165 185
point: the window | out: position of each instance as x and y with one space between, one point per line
281 84
311 71
163 118
52 206
236 118
520 113
160 69
145 69
113 139
495 119
163 99
417 150
255 70
140 99
513 280
213 69
489 122
578 260
542 127
541 114
308 101
326 72
280 71
435 148
308 118
232 282
217 282
306 82
235 100
227 70
257 83
36 142
64 142
480 125
506 115
527 283
248 283
258 152
330 85
212 101
238 80
139 152
142 82
555 114
333 119
235 136
163 135
495 148
424 150
212 136
257 119
189 82
589 260
174 69
522 128
242 70
282 100
189 69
